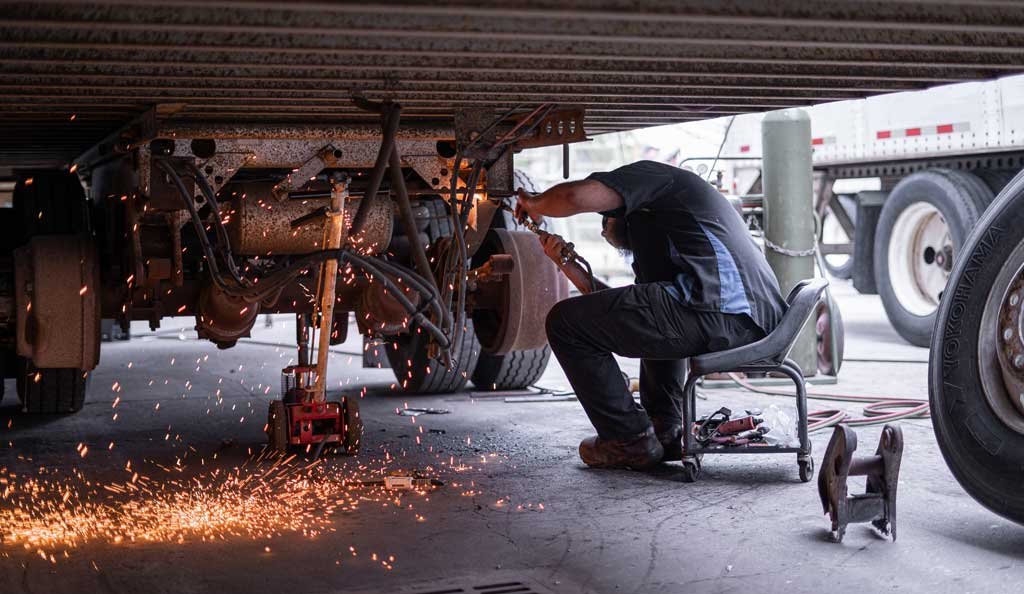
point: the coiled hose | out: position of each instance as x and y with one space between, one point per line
878 410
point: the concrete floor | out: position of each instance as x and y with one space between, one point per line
517 504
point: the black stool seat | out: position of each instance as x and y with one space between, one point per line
766 355
773 349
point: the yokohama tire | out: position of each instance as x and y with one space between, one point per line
985 454
959 198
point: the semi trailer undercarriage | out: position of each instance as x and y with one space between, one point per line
224 224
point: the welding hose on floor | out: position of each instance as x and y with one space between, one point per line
878 410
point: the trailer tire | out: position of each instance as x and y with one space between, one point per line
843 271
439 220
995 179
50 203
512 371
937 206
51 391
418 373
980 431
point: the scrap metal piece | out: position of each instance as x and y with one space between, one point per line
878 504
403 482
415 412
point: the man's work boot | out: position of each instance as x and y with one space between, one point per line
671 438
639 453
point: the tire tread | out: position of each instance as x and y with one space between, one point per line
511 371
414 348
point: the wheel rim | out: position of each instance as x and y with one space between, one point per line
833 232
1001 343
920 258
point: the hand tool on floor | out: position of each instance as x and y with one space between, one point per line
304 417
878 504
415 412
399 481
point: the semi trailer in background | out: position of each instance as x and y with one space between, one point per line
902 179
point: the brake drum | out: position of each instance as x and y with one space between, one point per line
512 313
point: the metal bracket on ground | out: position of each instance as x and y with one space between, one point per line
878 504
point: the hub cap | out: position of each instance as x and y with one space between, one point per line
920 258
1001 343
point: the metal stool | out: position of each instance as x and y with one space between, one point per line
766 355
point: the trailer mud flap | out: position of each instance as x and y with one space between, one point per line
58 302
869 207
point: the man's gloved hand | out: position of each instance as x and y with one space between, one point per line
524 201
554 247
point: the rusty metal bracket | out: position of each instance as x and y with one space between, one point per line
562 126
120 142
878 504
300 176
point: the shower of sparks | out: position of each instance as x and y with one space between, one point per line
55 512
50 514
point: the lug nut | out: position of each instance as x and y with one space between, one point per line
1014 299
1018 361
1007 334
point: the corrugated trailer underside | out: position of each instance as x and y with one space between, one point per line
70 73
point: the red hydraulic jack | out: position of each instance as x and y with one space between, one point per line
304 417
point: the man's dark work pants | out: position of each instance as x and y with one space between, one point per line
639 321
